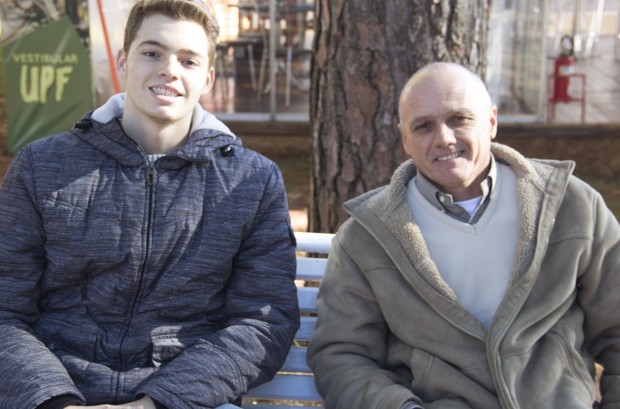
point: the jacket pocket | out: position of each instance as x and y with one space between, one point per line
165 348
577 363
435 379
169 341
552 373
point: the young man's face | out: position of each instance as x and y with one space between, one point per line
166 70
447 126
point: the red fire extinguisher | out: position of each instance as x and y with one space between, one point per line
564 66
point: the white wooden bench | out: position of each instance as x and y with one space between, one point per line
294 384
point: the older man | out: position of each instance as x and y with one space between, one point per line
476 279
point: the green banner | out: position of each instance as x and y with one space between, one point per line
47 82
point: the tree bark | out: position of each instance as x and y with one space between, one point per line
365 51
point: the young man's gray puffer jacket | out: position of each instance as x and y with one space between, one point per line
119 278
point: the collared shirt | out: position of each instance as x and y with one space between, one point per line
445 202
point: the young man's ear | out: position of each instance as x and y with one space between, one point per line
121 62
210 81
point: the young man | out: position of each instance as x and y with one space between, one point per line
477 279
146 257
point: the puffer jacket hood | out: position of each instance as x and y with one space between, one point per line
207 134
201 119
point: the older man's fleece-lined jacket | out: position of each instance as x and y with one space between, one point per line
390 330
119 278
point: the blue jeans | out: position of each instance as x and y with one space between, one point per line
228 406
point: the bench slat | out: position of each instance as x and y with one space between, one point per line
296 361
314 242
306 328
310 268
307 298
287 387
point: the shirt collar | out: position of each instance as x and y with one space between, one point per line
444 201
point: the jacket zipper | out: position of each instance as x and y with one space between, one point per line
503 398
151 178
151 174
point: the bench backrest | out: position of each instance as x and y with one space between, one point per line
294 384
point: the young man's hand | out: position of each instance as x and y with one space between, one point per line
144 403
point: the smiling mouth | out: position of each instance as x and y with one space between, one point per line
164 92
450 157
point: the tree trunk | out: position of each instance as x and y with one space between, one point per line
365 51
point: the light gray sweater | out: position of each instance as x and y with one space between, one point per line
477 253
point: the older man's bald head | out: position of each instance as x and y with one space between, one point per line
441 72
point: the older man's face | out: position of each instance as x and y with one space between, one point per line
447 125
